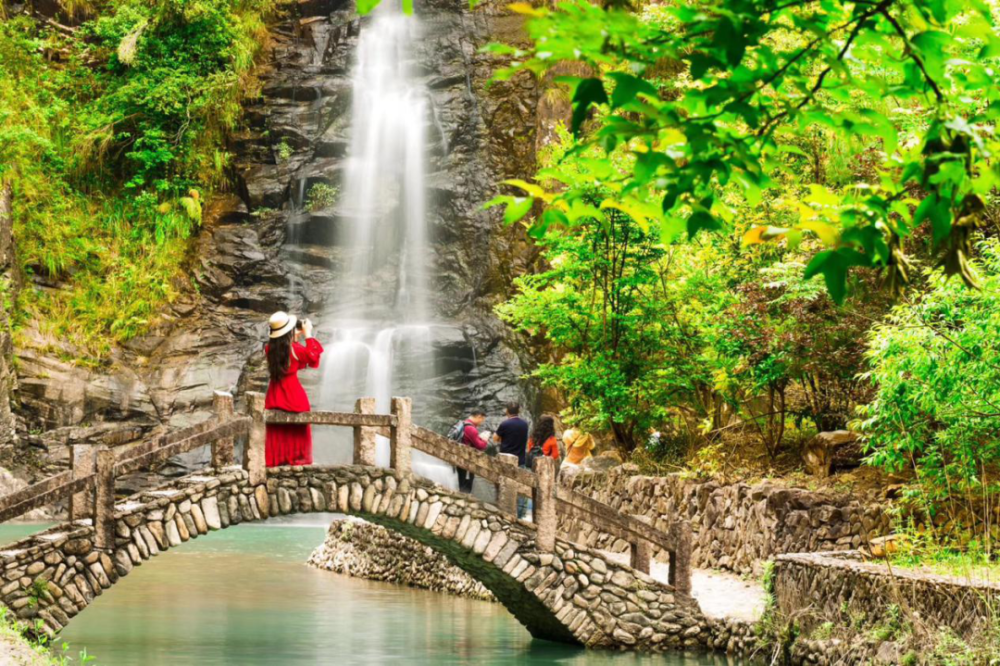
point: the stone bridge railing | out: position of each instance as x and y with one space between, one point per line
89 484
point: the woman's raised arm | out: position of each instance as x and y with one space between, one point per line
313 351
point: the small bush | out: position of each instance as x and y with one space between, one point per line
321 196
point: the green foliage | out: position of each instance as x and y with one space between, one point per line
760 79
34 638
935 368
321 195
108 147
682 337
611 307
891 626
283 151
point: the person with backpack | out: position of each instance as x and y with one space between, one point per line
543 441
466 432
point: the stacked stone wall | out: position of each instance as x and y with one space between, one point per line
843 589
737 527
363 550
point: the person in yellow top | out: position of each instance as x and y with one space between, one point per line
579 446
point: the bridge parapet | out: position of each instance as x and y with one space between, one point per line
90 483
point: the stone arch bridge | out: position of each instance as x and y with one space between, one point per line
557 590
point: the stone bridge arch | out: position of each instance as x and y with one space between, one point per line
571 595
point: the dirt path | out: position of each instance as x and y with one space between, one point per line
719 594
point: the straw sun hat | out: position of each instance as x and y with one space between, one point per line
281 323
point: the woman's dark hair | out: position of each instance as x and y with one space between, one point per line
545 427
279 356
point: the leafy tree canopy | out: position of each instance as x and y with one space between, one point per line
713 95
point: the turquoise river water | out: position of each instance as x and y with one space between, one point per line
245 597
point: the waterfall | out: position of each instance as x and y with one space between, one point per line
378 316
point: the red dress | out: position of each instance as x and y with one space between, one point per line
291 443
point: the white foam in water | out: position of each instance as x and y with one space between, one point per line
379 311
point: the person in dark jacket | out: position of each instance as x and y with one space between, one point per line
470 437
512 435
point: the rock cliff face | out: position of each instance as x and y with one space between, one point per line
8 292
260 251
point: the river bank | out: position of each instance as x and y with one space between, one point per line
15 648
15 651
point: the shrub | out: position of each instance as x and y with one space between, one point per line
935 370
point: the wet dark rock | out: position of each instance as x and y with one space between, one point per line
259 251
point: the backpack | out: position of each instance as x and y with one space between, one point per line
457 433
529 459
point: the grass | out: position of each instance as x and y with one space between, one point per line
963 557
109 149
15 632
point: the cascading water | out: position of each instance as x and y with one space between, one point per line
378 319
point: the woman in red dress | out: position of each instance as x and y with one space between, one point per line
289 443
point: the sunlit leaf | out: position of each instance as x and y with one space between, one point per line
763 233
827 233
530 188
627 87
526 9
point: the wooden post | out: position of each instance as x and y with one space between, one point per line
364 436
222 449
507 487
254 461
81 504
680 558
401 435
640 556
544 515
104 499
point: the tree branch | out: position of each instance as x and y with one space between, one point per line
909 49
855 31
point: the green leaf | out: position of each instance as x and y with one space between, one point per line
365 6
702 220
729 37
936 210
933 46
408 7
588 91
751 190
515 207
816 264
834 264
551 217
627 87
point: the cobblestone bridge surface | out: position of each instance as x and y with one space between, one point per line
573 595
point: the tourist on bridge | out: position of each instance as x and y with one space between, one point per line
579 447
512 435
467 432
289 443
543 440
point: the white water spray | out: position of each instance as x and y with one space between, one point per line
379 312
